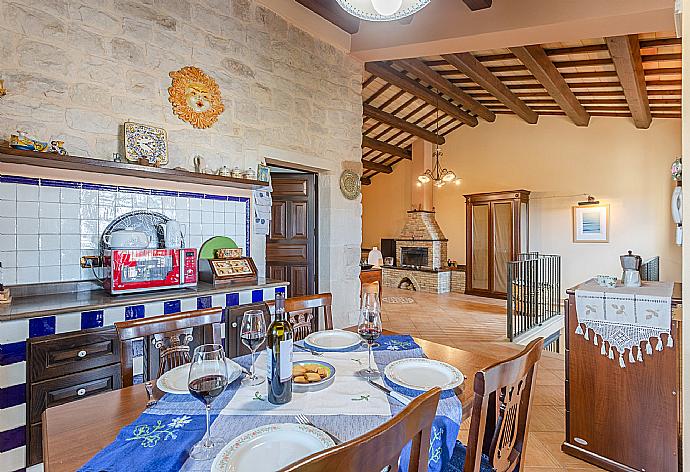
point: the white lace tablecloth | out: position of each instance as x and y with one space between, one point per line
625 318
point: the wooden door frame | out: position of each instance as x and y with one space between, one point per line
314 247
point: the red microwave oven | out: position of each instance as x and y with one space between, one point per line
141 270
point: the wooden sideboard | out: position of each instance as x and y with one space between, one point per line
623 420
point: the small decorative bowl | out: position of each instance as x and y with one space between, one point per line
315 386
607 280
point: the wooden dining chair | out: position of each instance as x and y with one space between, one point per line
234 314
172 336
500 415
303 313
380 448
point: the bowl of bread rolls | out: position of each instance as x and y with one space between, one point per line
311 375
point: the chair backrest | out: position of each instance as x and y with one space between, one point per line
382 446
233 342
303 313
170 335
500 412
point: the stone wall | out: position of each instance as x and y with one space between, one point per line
76 70
422 280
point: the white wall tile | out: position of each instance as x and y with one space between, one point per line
68 322
88 211
111 315
219 206
28 242
27 275
207 217
88 226
168 203
27 193
8 208
219 229
69 210
8 259
123 199
14 459
89 241
88 197
195 204
27 225
13 374
218 217
106 213
8 242
49 210
139 201
70 195
106 198
70 272
194 216
49 226
10 274
8 191
181 203
49 258
49 274
49 242
155 202
187 304
27 258
69 226
70 241
207 205
8 225
27 209
69 256
49 194
245 297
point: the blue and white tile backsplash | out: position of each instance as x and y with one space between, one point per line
47 225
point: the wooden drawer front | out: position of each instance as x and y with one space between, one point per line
54 356
72 387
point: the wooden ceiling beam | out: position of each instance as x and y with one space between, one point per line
413 87
330 11
375 166
625 52
475 70
475 5
539 64
426 74
380 146
403 125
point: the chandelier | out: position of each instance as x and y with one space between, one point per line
382 10
439 175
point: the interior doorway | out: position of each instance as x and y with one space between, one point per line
291 245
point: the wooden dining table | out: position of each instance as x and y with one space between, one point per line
74 432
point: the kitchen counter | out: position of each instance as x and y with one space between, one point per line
48 299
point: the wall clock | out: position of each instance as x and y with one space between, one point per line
146 144
350 184
195 97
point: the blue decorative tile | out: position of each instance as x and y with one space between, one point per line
41 326
280 290
12 396
133 190
203 302
215 197
12 438
137 348
13 179
257 296
12 353
172 306
167 193
190 195
232 299
59 183
134 312
110 188
92 319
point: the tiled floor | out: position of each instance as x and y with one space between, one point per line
479 324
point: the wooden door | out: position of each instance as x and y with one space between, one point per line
291 242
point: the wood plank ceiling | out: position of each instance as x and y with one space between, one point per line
635 76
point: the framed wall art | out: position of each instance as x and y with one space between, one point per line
591 224
195 97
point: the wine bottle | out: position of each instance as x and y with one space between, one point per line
279 359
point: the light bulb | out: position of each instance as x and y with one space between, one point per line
423 178
386 7
458 182
419 184
449 177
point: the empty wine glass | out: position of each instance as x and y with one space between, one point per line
369 328
208 377
253 334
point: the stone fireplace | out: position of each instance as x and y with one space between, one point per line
421 253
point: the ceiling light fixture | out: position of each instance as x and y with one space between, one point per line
382 10
439 175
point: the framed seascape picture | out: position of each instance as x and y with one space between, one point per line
591 224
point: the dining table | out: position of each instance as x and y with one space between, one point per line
74 432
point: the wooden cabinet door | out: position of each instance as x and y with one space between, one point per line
291 242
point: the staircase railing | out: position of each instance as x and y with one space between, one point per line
534 291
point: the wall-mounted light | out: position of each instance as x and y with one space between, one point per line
590 201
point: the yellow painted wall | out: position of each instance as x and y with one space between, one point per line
611 159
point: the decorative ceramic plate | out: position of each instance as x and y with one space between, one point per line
333 339
146 142
350 184
315 386
146 221
270 448
175 380
423 374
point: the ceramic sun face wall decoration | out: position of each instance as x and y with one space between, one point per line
195 97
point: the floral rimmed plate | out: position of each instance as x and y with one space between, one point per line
423 374
270 448
175 380
333 340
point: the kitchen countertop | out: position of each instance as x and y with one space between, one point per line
46 304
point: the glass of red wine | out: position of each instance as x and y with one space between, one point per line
369 328
208 377
253 335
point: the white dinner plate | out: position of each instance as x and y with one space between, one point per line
423 374
175 380
333 339
270 448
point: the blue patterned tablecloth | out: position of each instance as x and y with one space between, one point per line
161 438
